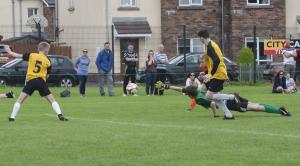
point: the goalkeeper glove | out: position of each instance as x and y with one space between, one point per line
161 85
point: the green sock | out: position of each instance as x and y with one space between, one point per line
270 109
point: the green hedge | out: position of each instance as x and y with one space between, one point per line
245 56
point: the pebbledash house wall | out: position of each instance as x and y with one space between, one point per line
239 19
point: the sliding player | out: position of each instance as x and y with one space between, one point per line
38 68
199 97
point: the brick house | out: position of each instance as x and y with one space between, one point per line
49 14
239 18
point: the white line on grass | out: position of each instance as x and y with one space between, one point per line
184 127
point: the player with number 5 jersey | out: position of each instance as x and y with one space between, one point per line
39 67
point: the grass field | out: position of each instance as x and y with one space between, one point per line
148 130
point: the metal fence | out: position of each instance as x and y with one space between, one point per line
246 72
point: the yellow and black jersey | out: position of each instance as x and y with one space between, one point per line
38 65
213 58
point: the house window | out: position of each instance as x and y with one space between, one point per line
190 2
261 57
32 11
193 45
258 2
128 3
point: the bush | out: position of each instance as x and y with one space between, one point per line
245 56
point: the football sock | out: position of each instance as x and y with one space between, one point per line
15 110
223 107
270 109
56 108
220 96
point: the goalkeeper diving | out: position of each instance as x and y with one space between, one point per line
243 105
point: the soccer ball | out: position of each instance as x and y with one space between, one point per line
132 88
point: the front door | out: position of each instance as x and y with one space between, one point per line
123 46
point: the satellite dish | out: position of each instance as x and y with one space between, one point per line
36 23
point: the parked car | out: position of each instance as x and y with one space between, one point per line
272 69
62 72
175 68
4 56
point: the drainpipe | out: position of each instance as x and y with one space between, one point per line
222 24
21 18
106 20
13 18
56 36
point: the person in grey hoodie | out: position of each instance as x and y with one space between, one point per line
82 67
104 64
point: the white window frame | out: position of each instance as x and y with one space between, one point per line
191 3
191 46
35 11
258 4
130 3
258 39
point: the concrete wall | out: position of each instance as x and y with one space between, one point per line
292 26
90 26
6 12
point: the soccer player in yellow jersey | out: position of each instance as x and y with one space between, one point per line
39 66
217 73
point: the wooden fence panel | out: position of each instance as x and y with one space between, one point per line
54 50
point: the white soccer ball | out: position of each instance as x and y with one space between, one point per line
132 88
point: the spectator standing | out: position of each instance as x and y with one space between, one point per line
161 60
297 69
279 83
82 68
130 58
150 73
104 64
288 59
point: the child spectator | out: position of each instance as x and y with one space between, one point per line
150 73
290 84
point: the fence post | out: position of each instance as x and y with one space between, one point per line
255 54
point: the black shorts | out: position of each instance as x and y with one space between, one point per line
203 102
215 85
36 84
233 106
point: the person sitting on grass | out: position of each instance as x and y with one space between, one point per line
192 81
290 84
279 83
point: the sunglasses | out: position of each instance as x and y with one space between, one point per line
192 74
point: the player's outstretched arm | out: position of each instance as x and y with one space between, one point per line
8 50
176 88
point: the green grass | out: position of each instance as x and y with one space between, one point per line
148 130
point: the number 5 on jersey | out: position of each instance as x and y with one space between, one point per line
38 66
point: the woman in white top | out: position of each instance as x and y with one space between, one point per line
192 81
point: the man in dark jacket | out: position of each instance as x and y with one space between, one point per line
130 58
104 64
